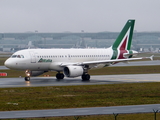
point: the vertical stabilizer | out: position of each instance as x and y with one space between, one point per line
122 45
123 41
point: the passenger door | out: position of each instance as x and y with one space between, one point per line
33 56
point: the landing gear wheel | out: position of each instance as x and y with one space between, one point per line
28 74
27 78
85 77
59 76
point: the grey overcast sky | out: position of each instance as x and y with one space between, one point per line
77 15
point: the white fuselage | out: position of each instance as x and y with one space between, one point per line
51 59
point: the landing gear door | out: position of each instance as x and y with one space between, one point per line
33 57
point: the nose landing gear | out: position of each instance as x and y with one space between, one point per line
28 74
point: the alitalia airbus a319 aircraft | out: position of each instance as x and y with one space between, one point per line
74 62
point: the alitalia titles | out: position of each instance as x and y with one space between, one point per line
45 60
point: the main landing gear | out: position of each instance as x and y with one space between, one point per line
28 74
85 77
59 76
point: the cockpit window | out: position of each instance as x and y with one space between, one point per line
17 56
13 56
22 56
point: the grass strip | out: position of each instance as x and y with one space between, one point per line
53 97
2 60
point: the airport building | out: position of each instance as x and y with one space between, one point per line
142 41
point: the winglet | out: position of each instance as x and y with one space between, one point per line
151 57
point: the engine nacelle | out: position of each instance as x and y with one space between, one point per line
73 71
37 73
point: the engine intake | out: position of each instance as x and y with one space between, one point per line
73 71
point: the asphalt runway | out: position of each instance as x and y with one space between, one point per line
3 68
95 79
80 111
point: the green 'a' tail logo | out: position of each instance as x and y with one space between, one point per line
124 39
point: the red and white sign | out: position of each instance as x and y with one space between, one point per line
3 74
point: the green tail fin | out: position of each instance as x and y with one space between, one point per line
123 41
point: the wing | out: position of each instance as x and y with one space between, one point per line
106 61
137 54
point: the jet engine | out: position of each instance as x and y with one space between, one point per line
37 73
73 71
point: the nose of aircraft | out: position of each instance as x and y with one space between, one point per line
8 63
